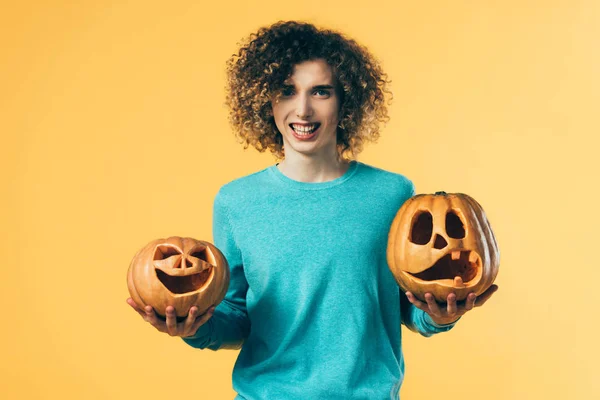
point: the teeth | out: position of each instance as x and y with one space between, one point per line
304 128
456 255
473 257
458 282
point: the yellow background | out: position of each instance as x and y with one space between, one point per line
114 133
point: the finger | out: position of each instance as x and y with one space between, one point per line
486 295
416 302
451 304
136 308
433 306
201 321
171 321
152 318
189 321
470 302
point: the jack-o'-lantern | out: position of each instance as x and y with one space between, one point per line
442 243
178 272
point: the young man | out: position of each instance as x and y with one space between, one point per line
312 303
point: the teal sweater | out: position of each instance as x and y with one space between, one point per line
312 302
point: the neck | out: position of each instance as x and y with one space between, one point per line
312 169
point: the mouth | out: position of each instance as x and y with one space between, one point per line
458 268
180 284
305 131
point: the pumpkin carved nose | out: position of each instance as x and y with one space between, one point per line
439 242
185 263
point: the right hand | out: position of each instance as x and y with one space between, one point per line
171 326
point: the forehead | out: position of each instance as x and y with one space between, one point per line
310 73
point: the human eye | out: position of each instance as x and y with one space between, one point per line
287 91
323 93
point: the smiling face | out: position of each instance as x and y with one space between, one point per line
180 272
306 110
442 243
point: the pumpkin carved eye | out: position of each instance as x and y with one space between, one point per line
201 254
163 252
454 225
422 228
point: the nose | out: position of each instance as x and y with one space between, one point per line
304 107
439 242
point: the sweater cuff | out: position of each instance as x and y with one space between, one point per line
430 321
203 332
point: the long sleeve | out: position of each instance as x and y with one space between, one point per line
229 326
418 320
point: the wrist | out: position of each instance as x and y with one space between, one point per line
443 321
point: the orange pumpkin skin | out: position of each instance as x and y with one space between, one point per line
435 238
178 272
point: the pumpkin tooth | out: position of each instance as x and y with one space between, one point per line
458 282
473 257
456 255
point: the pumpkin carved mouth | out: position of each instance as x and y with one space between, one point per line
184 284
465 264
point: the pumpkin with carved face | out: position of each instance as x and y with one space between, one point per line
442 243
178 272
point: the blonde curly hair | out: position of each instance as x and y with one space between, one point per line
256 74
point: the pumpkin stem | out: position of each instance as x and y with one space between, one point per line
440 192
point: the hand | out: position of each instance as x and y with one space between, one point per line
171 326
452 310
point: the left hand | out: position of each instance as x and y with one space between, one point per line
452 311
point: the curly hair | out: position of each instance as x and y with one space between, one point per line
267 58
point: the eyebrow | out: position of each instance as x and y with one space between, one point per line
314 87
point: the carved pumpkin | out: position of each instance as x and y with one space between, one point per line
178 272
442 243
